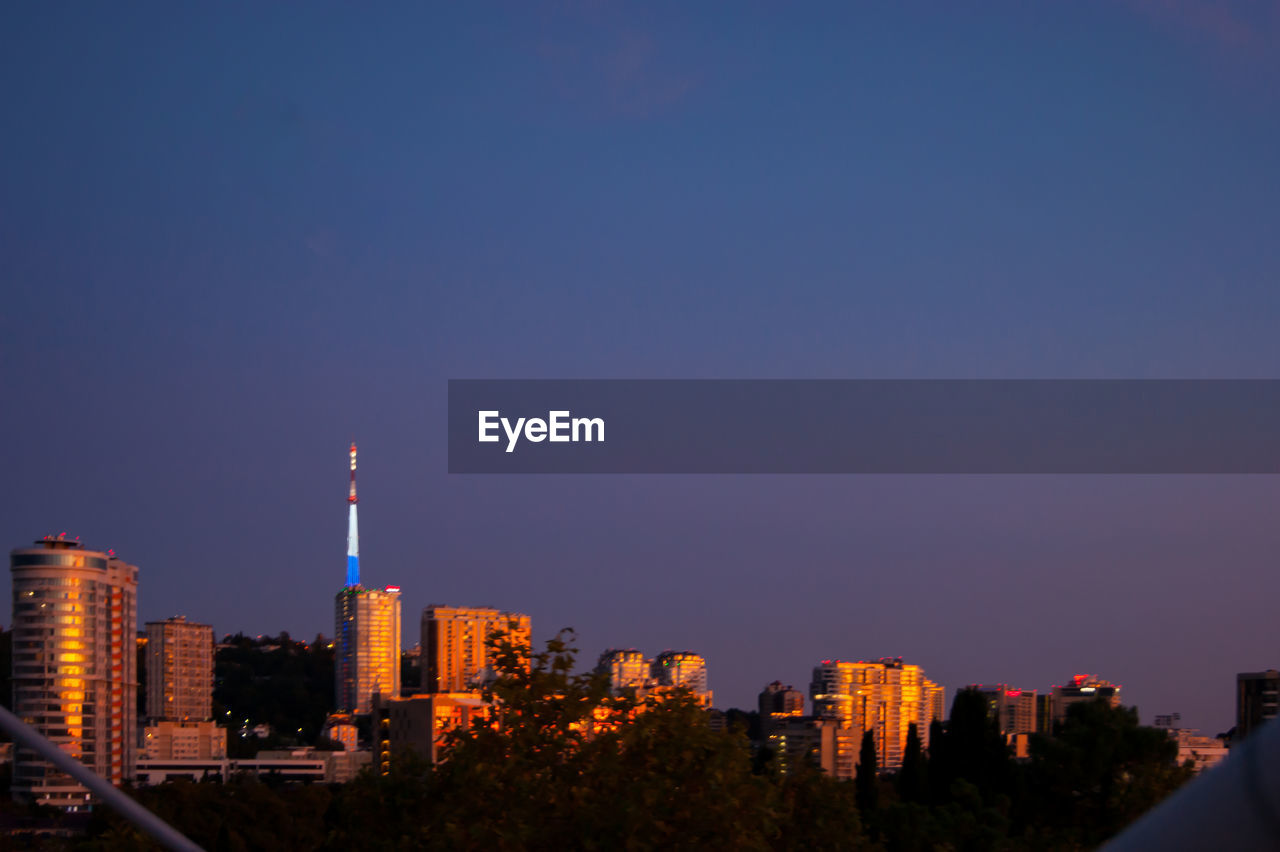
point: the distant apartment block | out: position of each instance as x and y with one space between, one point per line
1044 713
1201 751
170 740
778 704
456 656
1014 709
1083 687
627 669
1257 695
776 700
179 657
885 697
796 740
682 669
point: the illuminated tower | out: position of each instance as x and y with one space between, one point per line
366 630
353 530
74 664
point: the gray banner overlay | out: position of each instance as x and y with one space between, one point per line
865 426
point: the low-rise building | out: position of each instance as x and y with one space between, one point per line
420 723
301 764
184 741
341 728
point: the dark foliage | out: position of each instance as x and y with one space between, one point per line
277 680
569 767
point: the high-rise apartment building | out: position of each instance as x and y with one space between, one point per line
1257 700
1013 709
885 697
179 658
627 669
366 647
454 644
779 705
74 664
366 644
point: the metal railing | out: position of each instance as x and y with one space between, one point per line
159 830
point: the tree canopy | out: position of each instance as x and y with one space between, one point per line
560 763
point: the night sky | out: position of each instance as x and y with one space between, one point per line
235 237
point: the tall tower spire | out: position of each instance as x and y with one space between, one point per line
353 534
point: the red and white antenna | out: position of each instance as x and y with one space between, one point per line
351 497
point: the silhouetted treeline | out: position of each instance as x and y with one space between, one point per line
275 680
569 767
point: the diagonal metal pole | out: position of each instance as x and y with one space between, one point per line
163 833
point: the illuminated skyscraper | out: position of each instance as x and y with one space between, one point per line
456 658
74 664
367 650
366 657
179 671
885 696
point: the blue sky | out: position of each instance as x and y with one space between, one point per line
237 237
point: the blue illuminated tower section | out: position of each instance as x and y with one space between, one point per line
353 532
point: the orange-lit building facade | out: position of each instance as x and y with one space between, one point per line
341 728
420 722
74 664
454 650
886 697
627 670
366 647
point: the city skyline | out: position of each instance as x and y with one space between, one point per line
410 636
232 248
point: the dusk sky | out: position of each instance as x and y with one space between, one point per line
234 237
